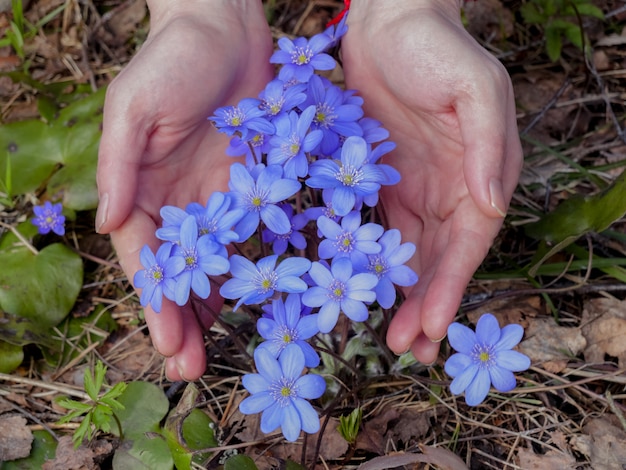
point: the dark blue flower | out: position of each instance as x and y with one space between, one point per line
278 99
259 198
484 358
338 290
350 177
280 392
157 277
201 258
293 237
48 218
301 57
288 325
389 267
252 284
293 140
246 116
333 116
253 148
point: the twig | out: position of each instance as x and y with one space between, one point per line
49 386
21 238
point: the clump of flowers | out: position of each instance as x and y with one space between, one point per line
49 217
302 139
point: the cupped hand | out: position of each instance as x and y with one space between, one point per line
158 148
448 105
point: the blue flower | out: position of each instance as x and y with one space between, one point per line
389 267
351 177
48 217
349 239
259 198
293 237
280 392
288 325
301 57
337 290
333 116
252 284
484 358
246 116
337 31
277 99
292 141
157 277
253 148
201 258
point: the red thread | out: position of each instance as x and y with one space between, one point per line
340 16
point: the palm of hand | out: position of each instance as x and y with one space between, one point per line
416 83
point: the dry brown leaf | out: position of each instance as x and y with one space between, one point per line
333 446
443 458
604 443
489 19
552 459
521 311
604 327
15 438
551 344
83 458
124 22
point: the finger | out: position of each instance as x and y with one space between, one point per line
489 133
190 360
122 144
425 350
165 327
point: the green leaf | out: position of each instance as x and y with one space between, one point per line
575 35
553 42
41 287
43 449
145 405
531 14
240 462
291 465
11 356
587 9
144 452
349 425
90 386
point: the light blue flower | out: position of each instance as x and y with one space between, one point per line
389 267
484 358
350 177
288 325
337 290
349 239
259 198
156 279
48 218
201 259
278 99
280 392
253 283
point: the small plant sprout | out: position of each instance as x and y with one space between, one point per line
97 414
349 425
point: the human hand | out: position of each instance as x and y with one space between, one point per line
158 148
448 105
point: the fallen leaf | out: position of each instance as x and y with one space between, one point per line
604 443
551 345
443 458
604 327
16 438
83 458
528 460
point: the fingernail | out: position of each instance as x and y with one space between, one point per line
102 212
496 195
438 340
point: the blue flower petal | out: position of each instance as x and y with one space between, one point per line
461 338
256 403
457 363
309 418
315 296
464 379
327 316
355 310
255 383
502 379
512 360
275 219
487 329
267 365
509 337
478 389
272 417
291 424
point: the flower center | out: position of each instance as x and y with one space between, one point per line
206 226
156 274
345 242
235 117
349 176
256 200
273 106
324 115
301 55
336 290
266 281
282 391
484 355
191 259
378 265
